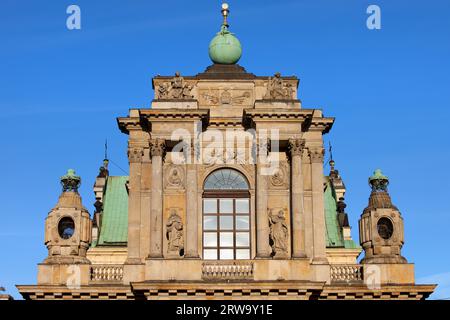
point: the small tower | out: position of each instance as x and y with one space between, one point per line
68 225
381 225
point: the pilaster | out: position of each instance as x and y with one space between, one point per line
296 147
157 151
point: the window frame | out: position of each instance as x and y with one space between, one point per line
234 195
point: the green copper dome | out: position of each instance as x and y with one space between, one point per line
225 48
378 181
70 181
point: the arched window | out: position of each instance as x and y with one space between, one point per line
226 216
226 179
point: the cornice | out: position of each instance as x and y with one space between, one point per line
126 124
174 115
322 124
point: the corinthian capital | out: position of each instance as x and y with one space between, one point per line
316 154
296 146
157 147
135 154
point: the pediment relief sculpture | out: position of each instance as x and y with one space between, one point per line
227 96
212 157
177 88
278 89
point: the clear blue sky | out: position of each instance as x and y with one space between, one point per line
61 91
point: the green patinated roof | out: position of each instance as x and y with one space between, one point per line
114 228
334 234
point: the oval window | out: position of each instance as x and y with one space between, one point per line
385 228
66 228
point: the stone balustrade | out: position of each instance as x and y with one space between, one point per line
227 270
346 273
107 273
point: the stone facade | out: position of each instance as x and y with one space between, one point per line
225 200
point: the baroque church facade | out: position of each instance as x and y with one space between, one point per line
226 198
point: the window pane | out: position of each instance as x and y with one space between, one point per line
226 222
226 254
210 239
209 223
210 254
242 222
242 239
210 206
243 254
242 206
226 239
226 205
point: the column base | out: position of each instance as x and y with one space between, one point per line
299 256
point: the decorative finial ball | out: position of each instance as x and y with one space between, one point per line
332 163
225 48
225 6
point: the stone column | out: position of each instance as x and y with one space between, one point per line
135 155
298 217
262 220
191 250
157 149
318 207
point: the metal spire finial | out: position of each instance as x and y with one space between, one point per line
225 13
105 160
331 162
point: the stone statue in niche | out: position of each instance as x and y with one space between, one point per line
177 88
174 234
279 233
277 89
